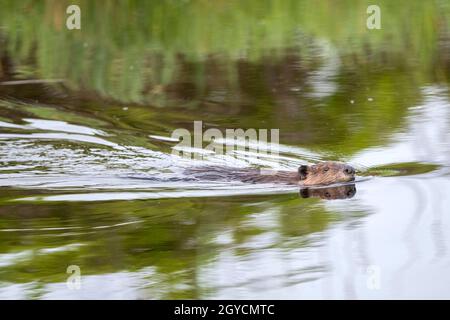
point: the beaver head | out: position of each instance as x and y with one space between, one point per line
325 173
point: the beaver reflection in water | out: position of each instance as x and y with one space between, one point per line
323 173
329 193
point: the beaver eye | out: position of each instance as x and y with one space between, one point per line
325 169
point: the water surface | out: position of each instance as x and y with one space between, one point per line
77 138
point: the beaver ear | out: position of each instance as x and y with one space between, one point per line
304 193
302 172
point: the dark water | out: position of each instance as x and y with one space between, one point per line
93 118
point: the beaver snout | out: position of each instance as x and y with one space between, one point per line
349 170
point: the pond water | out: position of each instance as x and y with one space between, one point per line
89 178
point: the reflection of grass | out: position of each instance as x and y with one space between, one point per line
127 49
160 53
178 239
50 113
401 169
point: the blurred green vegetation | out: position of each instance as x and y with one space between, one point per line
238 63
131 50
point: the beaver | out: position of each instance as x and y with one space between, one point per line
323 173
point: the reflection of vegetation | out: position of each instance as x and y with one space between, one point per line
401 169
177 239
257 70
130 50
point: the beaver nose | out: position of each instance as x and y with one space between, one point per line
349 170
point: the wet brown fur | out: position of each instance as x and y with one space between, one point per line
323 173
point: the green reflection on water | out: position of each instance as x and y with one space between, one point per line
252 66
175 238
133 51
402 169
